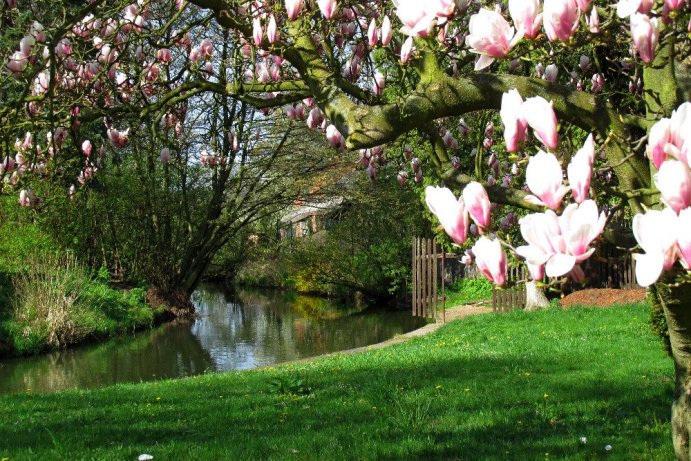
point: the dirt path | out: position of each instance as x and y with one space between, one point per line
452 313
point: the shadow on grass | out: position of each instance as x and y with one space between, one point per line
459 394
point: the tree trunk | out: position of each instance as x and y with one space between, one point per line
676 302
535 296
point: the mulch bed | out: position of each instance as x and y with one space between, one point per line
602 297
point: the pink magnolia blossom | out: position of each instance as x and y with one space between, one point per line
293 8
656 233
37 31
490 36
560 242
490 259
272 30
580 170
25 44
680 134
674 5
406 50
372 34
560 19
537 271
515 125
645 35
674 182
206 48
378 82
63 48
17 63
551 73
541 117
165 156
334 136
443 8
593 21
660 136
626 8
257 31
275 72
315 118
26 197
527 17
117 138
451 212
7 165
684 237
544 178
87 147
386 31
195 55
477 203
417 17
327 7
163 55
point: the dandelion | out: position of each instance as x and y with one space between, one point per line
608 447
583 440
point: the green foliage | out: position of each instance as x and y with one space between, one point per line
512 386
366 249
49 299
288 386
468 290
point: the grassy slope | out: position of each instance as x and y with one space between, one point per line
513 386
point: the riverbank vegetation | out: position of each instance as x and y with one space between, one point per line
49 299
551 384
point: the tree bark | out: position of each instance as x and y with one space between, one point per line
676 302
535 297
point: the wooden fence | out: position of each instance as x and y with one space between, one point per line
513 297
428 294
611 267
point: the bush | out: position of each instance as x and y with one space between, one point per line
45 299
57 302
468 290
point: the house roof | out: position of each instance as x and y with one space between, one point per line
306 210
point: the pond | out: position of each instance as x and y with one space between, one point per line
242 330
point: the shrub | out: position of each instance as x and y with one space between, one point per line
45 299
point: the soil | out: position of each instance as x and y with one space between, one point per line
177 303
603 297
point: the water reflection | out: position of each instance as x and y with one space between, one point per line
233 331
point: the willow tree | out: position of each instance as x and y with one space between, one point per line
370 74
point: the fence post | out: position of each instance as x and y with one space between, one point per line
443 283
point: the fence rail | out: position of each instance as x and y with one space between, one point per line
611 267
426 290
513 297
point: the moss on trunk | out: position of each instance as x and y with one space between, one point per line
676 303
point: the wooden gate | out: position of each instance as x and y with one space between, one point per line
513 297
426 274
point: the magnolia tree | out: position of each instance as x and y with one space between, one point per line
586 87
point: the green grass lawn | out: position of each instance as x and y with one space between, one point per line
512 386
468 290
